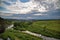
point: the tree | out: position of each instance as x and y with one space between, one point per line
2 25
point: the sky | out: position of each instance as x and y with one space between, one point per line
30 9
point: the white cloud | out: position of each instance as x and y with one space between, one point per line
5 14
38 5
29 17
15 17
39 14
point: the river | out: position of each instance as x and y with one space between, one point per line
39 35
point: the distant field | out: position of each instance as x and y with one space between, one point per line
51 24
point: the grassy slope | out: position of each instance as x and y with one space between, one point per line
16 35
53 25
48 27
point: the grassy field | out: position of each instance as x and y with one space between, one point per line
16 35
49 28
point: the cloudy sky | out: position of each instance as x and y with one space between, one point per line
30 9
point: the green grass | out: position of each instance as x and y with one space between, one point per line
16 35
49 28
53 25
